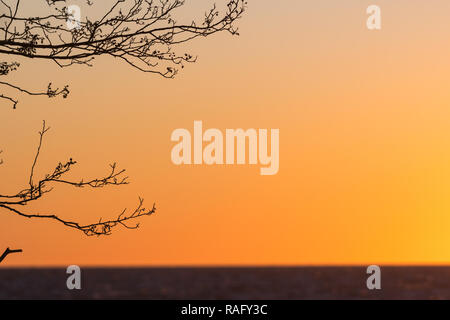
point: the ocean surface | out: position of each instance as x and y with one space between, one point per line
227 283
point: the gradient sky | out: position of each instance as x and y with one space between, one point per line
364 123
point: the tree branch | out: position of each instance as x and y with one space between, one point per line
36 190
141 33
7 252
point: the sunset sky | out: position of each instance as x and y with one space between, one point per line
364 122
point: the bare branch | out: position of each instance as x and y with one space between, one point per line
36 190
142 33
7 252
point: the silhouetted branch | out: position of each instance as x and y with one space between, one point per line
7 252
36 190
141 33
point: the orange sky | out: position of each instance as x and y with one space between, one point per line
364 145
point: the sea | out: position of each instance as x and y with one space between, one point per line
228 283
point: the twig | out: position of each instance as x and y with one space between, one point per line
7 252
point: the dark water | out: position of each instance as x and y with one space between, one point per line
227 283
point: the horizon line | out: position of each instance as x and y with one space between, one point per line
227 266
